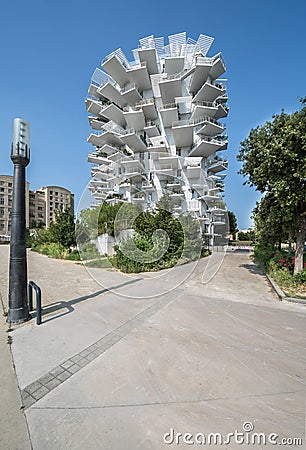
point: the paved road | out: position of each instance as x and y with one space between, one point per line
119 368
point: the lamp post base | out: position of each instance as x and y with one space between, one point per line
18 315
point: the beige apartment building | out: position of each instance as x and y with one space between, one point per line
55 199
6 198
41 205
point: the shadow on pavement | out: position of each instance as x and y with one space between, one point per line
56 306
252 268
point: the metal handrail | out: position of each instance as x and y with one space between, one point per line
129 87
37 289
145 101
168 106
178 123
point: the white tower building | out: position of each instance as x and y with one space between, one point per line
157 129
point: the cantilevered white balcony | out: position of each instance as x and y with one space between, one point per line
174 64
152 129
218 220
216 209
132 140
169 114
200 73
135 119
149 56
148 187
99 183
218 68
183 133
222 111
140 197
96 123
138 74
170 87
116 69
177 196
93 90
107 137
165 158
209 126
95 158
174 185
148 107
193 171
211 197
109 91
201 109
209 92
131 94
217 165
93 106
158 145
133 169
119 156
114 113
207 146
105 176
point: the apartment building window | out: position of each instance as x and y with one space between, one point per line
1 225
1 200
1 183
40 208
1 189
1 212
10 184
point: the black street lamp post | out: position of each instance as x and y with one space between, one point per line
18 311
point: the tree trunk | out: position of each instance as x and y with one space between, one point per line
280 244
300 241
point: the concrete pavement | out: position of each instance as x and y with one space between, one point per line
119 369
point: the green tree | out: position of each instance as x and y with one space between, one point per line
273 160
273 226
62 230
246 236
232 220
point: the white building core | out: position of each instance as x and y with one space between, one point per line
156 128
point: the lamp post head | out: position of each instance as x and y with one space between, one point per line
20 152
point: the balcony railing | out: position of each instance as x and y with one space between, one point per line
137 65
179 123
168 106
145 101
129 87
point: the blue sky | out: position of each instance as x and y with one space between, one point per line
49 50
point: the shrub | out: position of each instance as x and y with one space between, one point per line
74 256
88 251
53 249
300 277
101 263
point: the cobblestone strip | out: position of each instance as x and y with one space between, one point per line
42 386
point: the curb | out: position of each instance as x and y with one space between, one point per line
282 296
